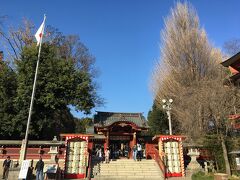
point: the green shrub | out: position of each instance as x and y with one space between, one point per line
201 176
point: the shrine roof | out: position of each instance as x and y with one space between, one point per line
235 77
232 61
108 118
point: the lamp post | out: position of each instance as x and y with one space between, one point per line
167 107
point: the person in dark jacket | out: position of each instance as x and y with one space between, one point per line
6 166
39 169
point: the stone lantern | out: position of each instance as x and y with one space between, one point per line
53 149
194 153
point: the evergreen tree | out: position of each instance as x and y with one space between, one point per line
7 92
82 124
66 79
157 120
59 85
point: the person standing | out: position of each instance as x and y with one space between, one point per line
6 166
126 151
134 152
39 169
139 152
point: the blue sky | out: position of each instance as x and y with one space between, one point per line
124 37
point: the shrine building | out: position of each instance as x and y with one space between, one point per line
118 129
233 64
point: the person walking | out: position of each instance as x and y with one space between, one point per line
39 169
100 154
134 152
107 154
6 166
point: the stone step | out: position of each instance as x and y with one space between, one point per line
115 178
130 165
133 174
131 162
130 177
128 168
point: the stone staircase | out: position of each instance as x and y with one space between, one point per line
128 169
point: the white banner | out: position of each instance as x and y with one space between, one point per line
24 169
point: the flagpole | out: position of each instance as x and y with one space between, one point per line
33 94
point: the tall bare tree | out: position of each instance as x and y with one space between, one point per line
232 46
189 72
186 58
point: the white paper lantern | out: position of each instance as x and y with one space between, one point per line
170 163
169 157
174 144
176 163
70 157
170 169
176 157
71 144
168 144
69 170
177 169
176 150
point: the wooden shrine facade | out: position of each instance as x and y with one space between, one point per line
233 63
120 127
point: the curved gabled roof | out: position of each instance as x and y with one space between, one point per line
102 119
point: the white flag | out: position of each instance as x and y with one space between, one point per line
40 32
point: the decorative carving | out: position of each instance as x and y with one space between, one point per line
123 124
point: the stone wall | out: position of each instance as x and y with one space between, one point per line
14 172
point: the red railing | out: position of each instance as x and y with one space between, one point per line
89 175
159 162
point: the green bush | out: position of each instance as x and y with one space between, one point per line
201 176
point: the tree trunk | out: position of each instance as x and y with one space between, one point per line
225 155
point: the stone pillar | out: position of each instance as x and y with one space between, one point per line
131 144
106 144
134 138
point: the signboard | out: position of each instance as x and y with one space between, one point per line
24 169
52 168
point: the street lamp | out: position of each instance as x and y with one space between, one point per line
167 107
